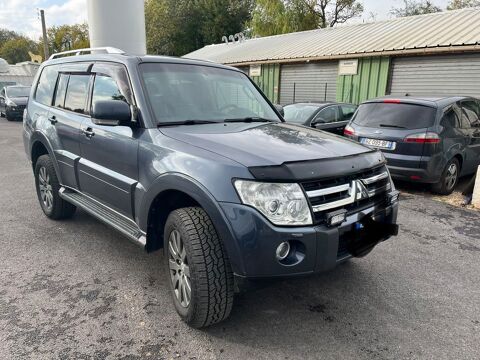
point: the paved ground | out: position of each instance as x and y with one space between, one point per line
78 290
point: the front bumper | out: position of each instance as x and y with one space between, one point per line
323 247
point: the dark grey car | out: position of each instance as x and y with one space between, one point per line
428 139
192 157
13 100
327 116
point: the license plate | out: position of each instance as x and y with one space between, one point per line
380 144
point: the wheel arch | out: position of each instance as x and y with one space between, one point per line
173 191
40 145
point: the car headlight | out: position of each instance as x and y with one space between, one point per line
10 103
282 204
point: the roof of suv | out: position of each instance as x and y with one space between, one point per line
431 101
131 59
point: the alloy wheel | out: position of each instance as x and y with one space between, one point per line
451 177
45 187
179 269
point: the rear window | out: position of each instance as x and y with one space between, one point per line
402 116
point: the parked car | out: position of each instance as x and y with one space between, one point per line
425 139
190 156
328 116
13 100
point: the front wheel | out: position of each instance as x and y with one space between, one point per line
200 277
449 178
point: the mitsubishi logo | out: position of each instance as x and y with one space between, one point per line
361 191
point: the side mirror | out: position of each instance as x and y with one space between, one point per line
111 113
280 109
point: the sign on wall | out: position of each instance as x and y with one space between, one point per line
255 70
348 67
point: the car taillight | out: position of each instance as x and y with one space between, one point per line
423 138
391 101
349 130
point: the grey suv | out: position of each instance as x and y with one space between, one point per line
192 157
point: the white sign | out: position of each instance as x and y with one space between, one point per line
348 67
255 70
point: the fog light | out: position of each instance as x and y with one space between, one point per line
336 217
283 250
393 196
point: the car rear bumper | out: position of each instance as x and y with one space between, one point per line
315 248
415 168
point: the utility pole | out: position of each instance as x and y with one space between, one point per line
44 30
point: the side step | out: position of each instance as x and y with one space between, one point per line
108 216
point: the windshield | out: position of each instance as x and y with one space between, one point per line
180 92
23 91
392 115
299 113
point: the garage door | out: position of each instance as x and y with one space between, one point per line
307 82
436 75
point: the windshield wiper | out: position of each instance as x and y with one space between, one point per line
392 126
186 122
248 119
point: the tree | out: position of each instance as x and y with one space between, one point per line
413 7
16 50
461 4
66 37
6 35
177 27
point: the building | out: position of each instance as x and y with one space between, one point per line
436 54
19 74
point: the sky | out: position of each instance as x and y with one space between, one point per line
22 15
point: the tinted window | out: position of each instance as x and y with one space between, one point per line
46 85
105 88
61 89
2 93
180 92
77 93
348 111
450 118
403 116
470 113
328 115
299 113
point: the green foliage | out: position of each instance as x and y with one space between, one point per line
461 4
16 49
272 17
413 7
177 27
66 37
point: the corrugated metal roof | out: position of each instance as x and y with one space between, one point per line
444 31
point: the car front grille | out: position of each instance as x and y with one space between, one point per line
353 192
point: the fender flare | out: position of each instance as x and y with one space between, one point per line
198 192
38 136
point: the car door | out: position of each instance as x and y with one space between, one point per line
328 119
471 127
108 169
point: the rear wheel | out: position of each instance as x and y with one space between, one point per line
200 276
48 186
449 178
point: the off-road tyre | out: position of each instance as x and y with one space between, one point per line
211 278
59 208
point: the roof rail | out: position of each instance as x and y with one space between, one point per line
107 50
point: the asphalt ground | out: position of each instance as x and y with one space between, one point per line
78 290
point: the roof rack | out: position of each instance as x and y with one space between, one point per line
107 50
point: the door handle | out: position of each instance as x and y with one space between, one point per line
53 120
88 132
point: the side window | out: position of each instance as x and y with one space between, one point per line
106 88
328 115
2 93
450 118
470 114
76 96
61 90
46 85
347 111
